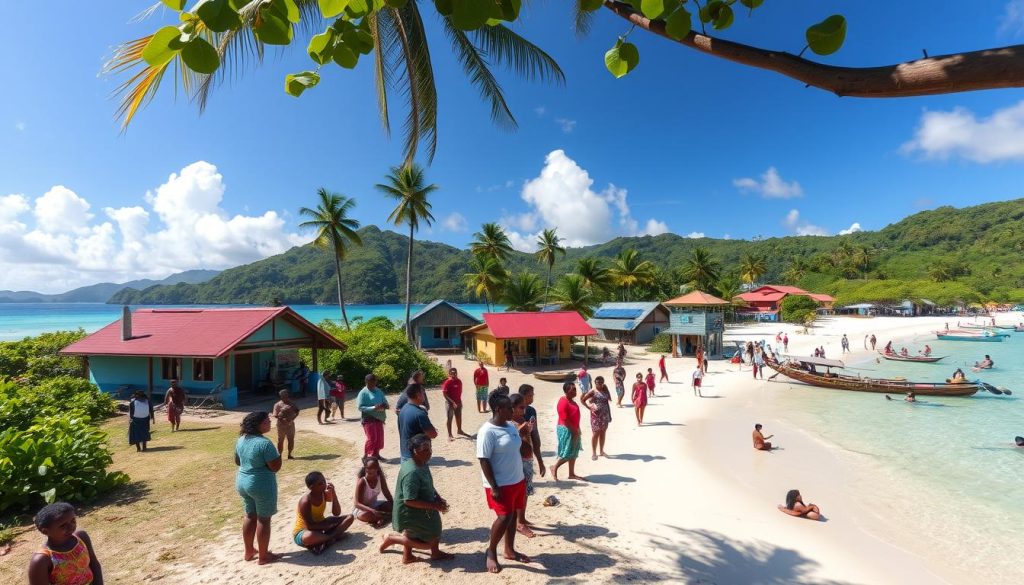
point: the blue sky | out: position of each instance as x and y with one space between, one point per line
685 143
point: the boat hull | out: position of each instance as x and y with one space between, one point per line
982 338
879 386
914 358
555 376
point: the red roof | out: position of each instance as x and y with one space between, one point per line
783 288
766 296
190 332
521 325
822 298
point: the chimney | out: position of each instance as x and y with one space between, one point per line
126 323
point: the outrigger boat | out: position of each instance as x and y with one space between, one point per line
956 335
805 370
924 359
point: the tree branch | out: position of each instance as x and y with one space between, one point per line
986 69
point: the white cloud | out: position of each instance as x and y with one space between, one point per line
854 227
496 187
455 222
561 197
696 235
183 228
726 237
959 133
540 110
566 124
771 186
801 227
20 126
1012 22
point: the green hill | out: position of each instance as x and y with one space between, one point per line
967 254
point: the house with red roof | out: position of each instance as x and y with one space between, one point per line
227 350
527 338
763 302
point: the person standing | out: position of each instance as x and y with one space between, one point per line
418 507
785 342
502 387
622 352
649 380
639 398
874 340
619 375
583 377
258 463
698 378
338 396
413 420
598 402
373 407
451 391
568 431
481 380
759 362
700 357
174 401
414 378
530 415
323 398
285 411
140 415
501 466
845 344
664 372
302 377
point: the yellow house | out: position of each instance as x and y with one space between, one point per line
525 338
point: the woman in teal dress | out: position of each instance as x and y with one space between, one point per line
258 461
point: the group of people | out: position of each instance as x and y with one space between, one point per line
142 414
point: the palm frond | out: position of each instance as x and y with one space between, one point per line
503 46
422 79
385 40
582 20
480 75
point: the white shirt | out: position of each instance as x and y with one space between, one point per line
697 374
501 445
141 408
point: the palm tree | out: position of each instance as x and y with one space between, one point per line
630 270
486 280
572 294
701 269
402 65
406 185
595 276
752 268
334 230
548 249
798 267
728 288
493 241
523 292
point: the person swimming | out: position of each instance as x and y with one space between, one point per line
1019 441
958 376
911 397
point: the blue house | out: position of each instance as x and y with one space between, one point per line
227 351
440 324
635 323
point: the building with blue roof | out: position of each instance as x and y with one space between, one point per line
635 323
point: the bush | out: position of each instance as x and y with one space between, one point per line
58 457
36 357
798 309
376 346
662 343
23 404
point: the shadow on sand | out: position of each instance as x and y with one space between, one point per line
196 430
442 462
636 457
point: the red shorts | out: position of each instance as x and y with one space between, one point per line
513 498
696 381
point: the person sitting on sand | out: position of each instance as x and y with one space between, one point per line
760 442
418 507
795 507
370 485
313 529
67 557
911 397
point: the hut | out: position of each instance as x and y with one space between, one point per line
525 338
636 323
439 326
222 351
697 320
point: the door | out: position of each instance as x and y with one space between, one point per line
531 348
243 371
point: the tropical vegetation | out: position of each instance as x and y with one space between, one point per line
549 248
334 231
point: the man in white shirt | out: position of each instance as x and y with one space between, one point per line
501 466
698 377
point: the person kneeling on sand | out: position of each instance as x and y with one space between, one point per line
795 507
418 506
313 529
759 440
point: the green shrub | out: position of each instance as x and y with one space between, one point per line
798 309
36 357
662 343
23 404
60 457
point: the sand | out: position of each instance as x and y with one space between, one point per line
682 499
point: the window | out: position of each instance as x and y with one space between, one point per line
202 370
441 333
170 368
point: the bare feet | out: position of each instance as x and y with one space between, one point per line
492 564
250 554
441 556
270 558
517 556
385 542
603 454
525 531
465 434
577 478
451 438
410 558
593 457
554 472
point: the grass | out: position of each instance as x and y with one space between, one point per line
181 496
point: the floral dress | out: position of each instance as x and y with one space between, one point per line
602 413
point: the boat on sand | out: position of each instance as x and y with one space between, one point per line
555 376
806 370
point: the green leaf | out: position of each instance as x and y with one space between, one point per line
508 9
218 15
658 8
158 51
332 8
679 24
50 495
364 41
622 58
272 27
396 3
751 4
344 55
288 9
444 7
296 83
200 56
321 46
177 5
471 14
357 8
723 19
827 36
590 5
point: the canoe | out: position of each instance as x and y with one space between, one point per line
555 376
911 358
987 337
876 385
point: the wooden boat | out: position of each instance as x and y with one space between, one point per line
555 376
924 359
799 369
987 336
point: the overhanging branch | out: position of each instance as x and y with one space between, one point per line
986 69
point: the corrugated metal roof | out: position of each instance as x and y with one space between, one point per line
430 307
612 313
614 324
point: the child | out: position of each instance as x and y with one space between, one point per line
650 381
639 398
67 557
338 394
371 483
525 428
140 414
313 529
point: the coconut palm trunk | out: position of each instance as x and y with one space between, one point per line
341 295
547 291
408 286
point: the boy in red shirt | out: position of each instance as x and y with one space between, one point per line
451 390
481 381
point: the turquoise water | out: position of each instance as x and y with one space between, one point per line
18 320
945 468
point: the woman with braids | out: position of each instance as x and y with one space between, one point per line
258 461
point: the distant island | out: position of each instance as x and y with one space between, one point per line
947 254
101 292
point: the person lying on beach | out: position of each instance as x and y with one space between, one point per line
370 485
313 529
760 441
67 557
795 507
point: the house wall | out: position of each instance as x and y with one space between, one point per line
426 340
109 373
492 350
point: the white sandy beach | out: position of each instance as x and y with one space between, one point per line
683 499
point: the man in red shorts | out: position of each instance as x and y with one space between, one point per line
501 465
174 400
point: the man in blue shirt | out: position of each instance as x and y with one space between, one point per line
413 420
